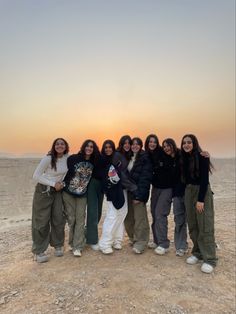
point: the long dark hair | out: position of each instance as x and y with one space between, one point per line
120 147
95 155
193 158
53 152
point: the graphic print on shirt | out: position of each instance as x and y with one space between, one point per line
83 172
112 175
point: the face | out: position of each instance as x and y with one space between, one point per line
187 144
168 149
108 150
126 146
135 147
89 149
60 147
152 144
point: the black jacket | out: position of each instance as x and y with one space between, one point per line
141 175
113 191
165 170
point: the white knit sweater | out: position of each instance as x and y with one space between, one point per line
44 173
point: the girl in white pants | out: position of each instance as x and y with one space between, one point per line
113 226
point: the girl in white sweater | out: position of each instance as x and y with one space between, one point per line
48 219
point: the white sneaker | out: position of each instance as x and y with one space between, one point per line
207 268
77 253
107 250
191 260
152 245
161 250
117 246
181 252
94 247
136 251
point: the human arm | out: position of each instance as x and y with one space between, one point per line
38 175
203 182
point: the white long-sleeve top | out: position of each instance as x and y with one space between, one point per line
44 173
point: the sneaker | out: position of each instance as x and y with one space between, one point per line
117 246
161 250
131 242
94 247
58 251
191 260
136 251
77 253
207 268
152 245
107 250
41 258
181 252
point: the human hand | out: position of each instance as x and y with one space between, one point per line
59 186
136 202
205 154
200 207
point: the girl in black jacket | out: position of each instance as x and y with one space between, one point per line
140 173
199 203
113 226
163 181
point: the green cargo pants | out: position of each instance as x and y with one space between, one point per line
201 225
48 220
94 210
136 224
75 208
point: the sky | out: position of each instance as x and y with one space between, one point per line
104 68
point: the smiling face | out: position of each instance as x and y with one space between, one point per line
187 144
126 146
135 147
108 150
60 147
168 149
88 150
152 144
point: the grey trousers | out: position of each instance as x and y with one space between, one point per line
160 209
75 208
48 220
136 224
180 218
201 225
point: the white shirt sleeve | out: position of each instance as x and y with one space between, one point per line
38 175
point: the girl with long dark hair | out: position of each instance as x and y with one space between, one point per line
80 168
140 173
199 203
48 219
113 226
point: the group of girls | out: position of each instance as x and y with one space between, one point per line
71 188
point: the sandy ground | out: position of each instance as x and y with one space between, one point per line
120 283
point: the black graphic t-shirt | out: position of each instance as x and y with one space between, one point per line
78 175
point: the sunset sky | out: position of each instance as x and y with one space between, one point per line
104 68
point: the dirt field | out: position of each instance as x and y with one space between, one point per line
120 283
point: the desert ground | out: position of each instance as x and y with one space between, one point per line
120 283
